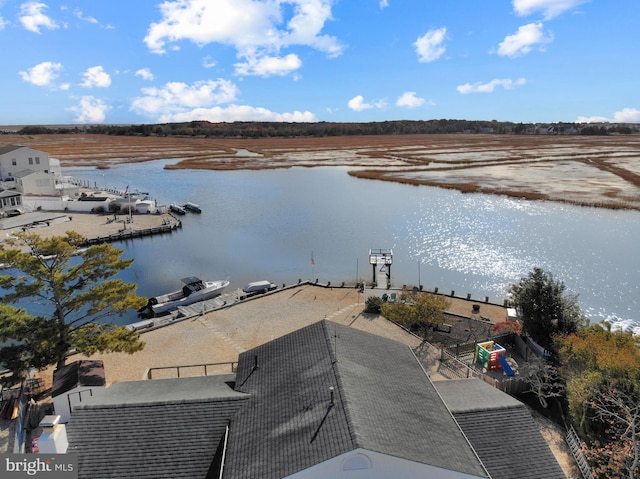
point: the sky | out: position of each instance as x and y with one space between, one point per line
145 62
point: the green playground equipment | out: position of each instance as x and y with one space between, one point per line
489 353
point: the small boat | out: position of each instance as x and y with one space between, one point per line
193 291
177 209
258 287
192 207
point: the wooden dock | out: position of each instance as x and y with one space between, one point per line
127 234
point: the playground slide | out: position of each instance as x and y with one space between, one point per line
505 366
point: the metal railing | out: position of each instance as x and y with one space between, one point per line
193 369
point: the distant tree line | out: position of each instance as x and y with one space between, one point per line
254 129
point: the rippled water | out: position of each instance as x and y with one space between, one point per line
267 225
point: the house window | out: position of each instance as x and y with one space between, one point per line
37 160
14 162
31 161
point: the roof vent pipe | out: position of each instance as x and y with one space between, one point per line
332 395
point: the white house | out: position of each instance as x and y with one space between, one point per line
10 200
35 182
15 158
325 401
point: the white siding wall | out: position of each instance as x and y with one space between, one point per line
63 404
363 464
24 159
37 184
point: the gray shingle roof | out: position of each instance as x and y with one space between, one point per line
384 402
501 430
9 148
153 429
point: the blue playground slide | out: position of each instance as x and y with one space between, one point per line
505 366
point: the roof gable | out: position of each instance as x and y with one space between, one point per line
9 148
382 401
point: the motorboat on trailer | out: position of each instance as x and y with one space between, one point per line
193 290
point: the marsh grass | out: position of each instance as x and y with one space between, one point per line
535 167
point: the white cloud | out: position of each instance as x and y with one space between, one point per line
268 66
429 46
90 110
549 8
3 23
357 104
626 115
522 42
489 87
78 13
255 28
177 102
43 74
208 62
96 77
33 18
384 4
237 113
176 97
145 74
410 100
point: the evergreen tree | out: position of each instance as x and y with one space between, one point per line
72 295
546 308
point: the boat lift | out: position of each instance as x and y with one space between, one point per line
384 257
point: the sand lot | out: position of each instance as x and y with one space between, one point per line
602 171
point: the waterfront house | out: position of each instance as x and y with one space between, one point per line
323 401
15 158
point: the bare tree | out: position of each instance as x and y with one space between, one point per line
544 381
620 412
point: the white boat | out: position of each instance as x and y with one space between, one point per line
177 209
193 291
258 287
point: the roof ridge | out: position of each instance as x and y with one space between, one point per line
335 365
164 402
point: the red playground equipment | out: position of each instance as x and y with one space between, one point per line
489 354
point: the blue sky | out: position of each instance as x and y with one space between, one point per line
139 61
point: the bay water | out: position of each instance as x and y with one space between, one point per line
269 224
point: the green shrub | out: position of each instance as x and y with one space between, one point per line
373 305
